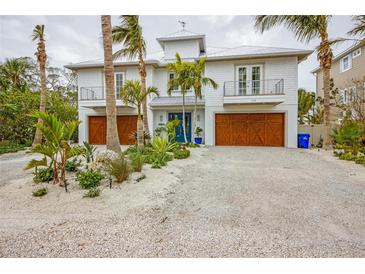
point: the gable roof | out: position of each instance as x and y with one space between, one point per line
342 54
212 53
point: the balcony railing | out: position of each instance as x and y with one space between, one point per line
94 94
254 87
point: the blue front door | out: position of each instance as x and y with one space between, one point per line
179 128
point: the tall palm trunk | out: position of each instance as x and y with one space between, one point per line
42 58
112 139
140 135
183 118
325 56
143 74
195 110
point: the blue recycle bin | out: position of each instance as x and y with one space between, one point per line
303 140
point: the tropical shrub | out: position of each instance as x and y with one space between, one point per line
89 179
360 160
73 165
120 168
181 153
137 159
160 149
43 175
348 156
171 129
198 131
92 192
88 152
40 192
349 135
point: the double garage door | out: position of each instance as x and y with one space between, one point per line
126 126
249 129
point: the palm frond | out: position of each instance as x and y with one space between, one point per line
38 33
36 163
359 28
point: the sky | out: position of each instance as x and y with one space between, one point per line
73 39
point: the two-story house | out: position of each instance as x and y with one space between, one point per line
254 105
348 74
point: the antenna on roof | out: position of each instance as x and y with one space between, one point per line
183 24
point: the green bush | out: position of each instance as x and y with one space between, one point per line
43 175
137 160
120 168
360 160
89 179
40 192
92 192
348 156
181 153
8 147
349 135
88 152
72 165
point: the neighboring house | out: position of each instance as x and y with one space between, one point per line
255 103
348 74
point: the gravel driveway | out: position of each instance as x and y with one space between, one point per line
225 202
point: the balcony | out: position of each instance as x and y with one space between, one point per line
95 96
269 91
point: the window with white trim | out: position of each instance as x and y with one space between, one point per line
171 76
346 63
119 80
356 53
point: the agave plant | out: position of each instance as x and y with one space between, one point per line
56 146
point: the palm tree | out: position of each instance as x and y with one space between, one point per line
112 139
306 28
359 28
13 74
56 147
132 94
199 81
129 33
306 101
184 80
38 35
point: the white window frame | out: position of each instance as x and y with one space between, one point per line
349 56
178 88
249 81
356 53
115 81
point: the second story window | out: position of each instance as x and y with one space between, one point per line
171 76
356 53
119 78
346 63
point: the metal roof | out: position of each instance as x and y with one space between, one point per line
342 54
175 101
212 53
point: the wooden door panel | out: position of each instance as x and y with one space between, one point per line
126 125
249 129
97 130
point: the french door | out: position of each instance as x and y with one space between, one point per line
249 80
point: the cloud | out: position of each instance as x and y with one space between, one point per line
218 20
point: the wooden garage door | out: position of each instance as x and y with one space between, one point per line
249 129
97 129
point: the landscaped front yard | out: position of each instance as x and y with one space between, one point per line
220 202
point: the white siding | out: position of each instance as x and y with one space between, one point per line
186 49
220 71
